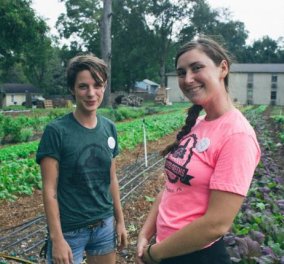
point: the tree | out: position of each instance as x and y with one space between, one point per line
166 17
89 24
134 55
218 25
19 34
106 45
264 50
81 24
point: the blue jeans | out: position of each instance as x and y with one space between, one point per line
94 240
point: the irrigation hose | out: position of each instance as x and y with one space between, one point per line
20 260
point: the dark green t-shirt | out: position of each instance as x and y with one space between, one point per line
84 157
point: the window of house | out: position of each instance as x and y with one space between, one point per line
12 98
249 96
273 95
250 88
250 78
249 101
274 86
250 93
274 78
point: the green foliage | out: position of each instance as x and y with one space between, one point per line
16 129
13 107
19 174
19 151
149 199
15 157
82 20
18 177
264 50
262 211
21 128
131 133
279 119
19 22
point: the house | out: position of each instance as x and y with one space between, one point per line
146 86
17 94
256 83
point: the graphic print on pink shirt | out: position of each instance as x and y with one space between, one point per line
179 171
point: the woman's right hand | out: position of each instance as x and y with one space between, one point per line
61 252
141 244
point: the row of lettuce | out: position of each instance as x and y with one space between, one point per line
19 173
19 127
258 233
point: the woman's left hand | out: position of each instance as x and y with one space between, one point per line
121 236
147 258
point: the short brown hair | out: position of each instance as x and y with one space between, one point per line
90 62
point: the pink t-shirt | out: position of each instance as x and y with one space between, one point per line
217 155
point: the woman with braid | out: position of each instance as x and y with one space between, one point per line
208 169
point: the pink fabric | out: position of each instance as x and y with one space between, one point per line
226 163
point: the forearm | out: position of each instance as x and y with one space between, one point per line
222 209
52 215
114 188
50 172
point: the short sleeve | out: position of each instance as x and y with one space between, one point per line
49 145
116 148
236 164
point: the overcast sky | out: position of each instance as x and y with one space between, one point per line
261 18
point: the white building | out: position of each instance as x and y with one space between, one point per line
248 84
16 93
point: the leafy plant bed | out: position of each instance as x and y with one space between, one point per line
257 234
19 173
24 126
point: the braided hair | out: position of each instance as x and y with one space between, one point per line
217 54
192 114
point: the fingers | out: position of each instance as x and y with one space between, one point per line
141 244
139 260
122 240
118 240
70 257
62 253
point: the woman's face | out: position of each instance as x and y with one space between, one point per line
199 78
87 92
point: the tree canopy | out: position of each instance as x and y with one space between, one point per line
143 39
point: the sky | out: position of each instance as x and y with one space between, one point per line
261 18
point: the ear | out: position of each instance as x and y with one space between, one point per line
224 68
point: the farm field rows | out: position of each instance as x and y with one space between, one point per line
258 233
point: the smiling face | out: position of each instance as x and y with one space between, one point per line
199 78
87 92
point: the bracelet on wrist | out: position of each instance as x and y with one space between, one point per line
150 256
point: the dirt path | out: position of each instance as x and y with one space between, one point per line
135 210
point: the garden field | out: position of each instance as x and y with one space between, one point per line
257 235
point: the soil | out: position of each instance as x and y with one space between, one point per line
26 208
135 209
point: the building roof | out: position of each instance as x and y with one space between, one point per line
150 82
257 67
18 88
251 67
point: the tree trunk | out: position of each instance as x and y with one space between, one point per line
106 45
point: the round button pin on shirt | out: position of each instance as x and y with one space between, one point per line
202 144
